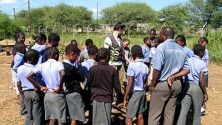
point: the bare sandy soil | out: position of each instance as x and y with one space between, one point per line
9 107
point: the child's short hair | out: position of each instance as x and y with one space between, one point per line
92 50
54 39
145 39
202 39
183 39
32 56
19 46
53 52
125 39
153 30
103 53
40 36
88 42
136 51
72 48
118 26
74 42
18 34
197 49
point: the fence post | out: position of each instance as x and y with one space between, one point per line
129 30
53 28
87 29
73 29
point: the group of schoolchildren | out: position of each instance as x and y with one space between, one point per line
52 92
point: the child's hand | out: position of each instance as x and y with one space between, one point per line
124 104
151 88
57 90
44 89
205 97
170 80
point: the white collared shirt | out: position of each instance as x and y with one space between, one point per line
22 74
50 71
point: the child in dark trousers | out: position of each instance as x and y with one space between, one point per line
194 90
102 79
29 93
72 80
137 75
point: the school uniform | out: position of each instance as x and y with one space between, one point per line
205 58
45 55
84 55
19 59
55 104
86 65
102 91
192 91
146 53
127 57
40 49
188 52
74 100
32 100
151 57
137 102
169 59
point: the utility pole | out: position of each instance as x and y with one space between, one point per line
29 17
14 12
97 12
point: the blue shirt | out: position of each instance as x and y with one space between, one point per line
87 65
196 66
22 74
146 52
18 60
188 52
139 71
169 59
50 71
40 49
206 57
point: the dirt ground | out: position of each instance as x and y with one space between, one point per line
9 107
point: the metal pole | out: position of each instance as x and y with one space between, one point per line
53 28
129 30
14 13
30 24
39 29
88 28
73 29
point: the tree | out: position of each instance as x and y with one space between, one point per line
203 11
129 13
175 15
62 15
7 27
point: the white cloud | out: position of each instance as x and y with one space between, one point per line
7 1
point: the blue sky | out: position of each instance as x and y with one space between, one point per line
8 5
